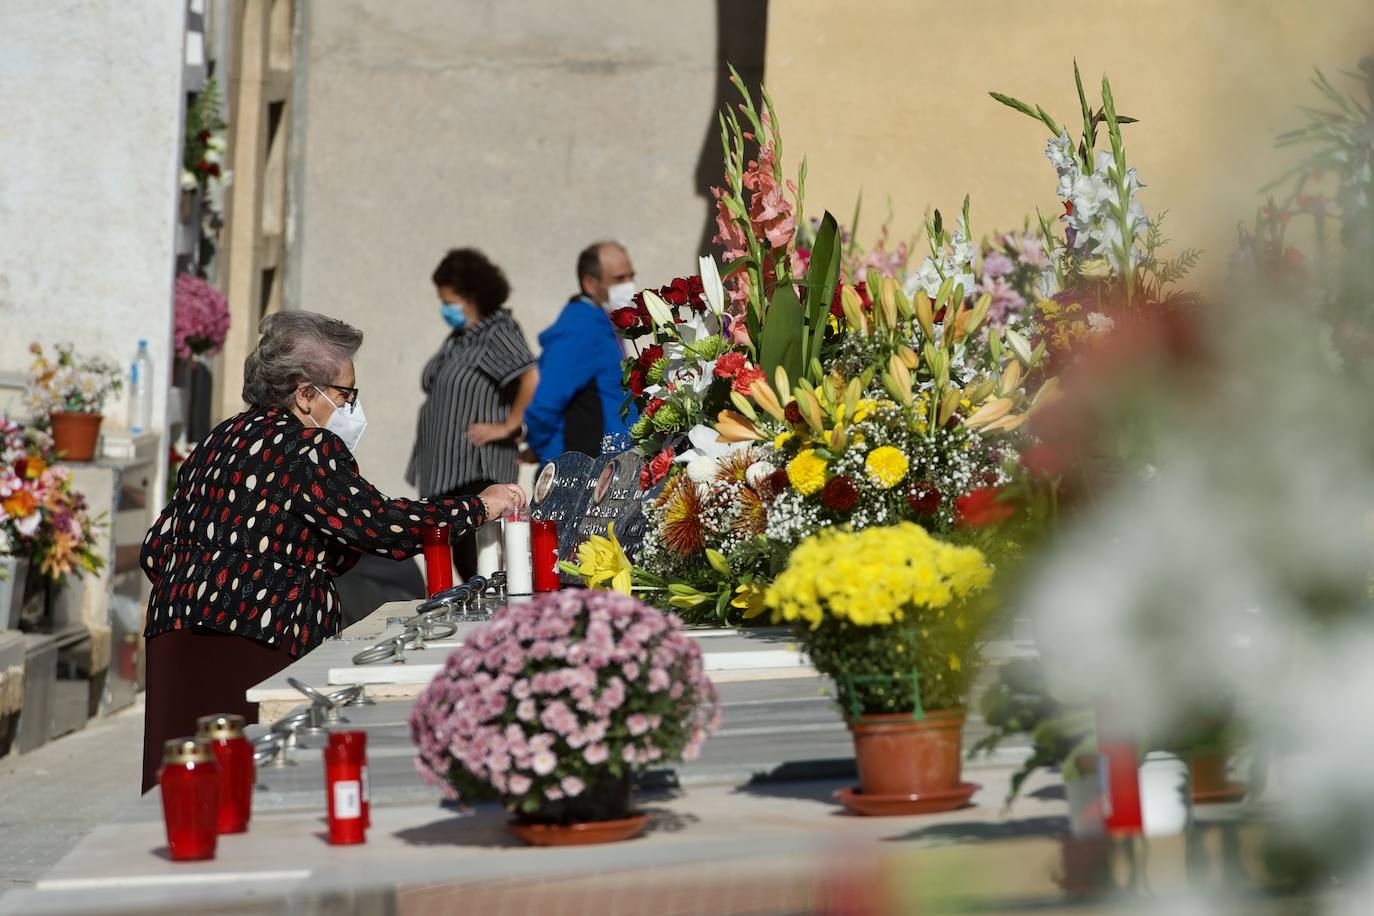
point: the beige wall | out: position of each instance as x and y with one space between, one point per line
891 96
527 129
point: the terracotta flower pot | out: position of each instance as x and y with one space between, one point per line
1207 773
75 434
600 814
908 766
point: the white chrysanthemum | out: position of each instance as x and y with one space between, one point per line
758 472
701 470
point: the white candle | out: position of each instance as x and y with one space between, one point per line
519 565
489 549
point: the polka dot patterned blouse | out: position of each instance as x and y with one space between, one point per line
266 512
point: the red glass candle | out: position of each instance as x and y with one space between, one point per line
438 559
355 743
1118 772
544 554
235 757
189 779
343 791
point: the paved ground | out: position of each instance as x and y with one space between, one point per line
54 796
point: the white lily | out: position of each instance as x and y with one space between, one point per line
712 285
706 444
658 309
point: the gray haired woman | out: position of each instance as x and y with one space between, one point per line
268 509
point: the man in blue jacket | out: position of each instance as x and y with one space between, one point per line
579 397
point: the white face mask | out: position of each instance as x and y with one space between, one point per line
347 422
619 296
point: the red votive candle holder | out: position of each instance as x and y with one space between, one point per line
1118 772
544 554
355 743
438 559
190 779
343 791
234 755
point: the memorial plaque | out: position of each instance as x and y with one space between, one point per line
560 495
610 494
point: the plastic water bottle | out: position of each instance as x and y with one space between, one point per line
141 390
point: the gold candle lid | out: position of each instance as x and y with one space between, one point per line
187 750
220 727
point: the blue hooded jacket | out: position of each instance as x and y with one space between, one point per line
579 396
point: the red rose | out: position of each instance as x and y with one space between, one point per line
981 508
625 318
652 407
792 413
746 377
840 494
682 293
650 356
674 294
637 382
695 286
729 365
923 498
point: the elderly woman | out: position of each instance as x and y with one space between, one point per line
267 511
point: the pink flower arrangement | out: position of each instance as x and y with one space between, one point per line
202 317
560 694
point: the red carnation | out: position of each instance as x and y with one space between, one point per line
653 406
981 508
729 365
695 286
923 498
682 292
656 469
840 494
792 413
746 377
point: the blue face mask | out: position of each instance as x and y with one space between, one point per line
453 315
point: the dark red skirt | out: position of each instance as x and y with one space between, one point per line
196 672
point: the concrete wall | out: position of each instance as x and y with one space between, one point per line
891 96
90 148
527 129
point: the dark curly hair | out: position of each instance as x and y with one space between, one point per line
470 274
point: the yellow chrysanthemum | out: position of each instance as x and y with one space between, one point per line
885 466
783 438
807 472
874 576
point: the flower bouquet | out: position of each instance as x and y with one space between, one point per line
201 318
41 516
889 614
69 393
556 704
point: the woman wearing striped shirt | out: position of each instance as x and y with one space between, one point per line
476 390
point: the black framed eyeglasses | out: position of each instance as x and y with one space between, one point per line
350 394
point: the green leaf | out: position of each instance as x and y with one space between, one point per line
780 340
821 276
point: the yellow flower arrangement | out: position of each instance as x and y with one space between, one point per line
807 472
885 466
871 577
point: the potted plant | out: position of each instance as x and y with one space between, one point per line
200 324
556 704
889 613
71 391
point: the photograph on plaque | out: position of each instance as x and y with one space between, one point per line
547 478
